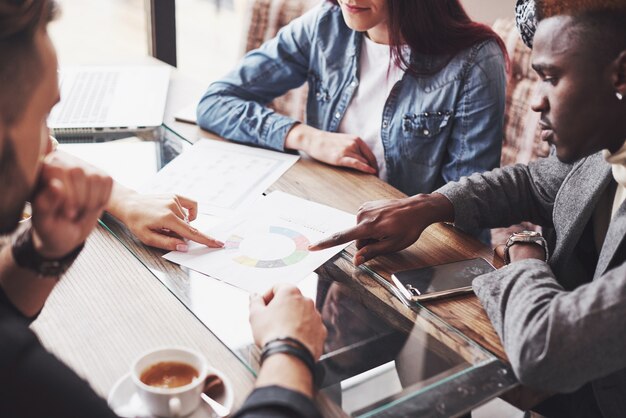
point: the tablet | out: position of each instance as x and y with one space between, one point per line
439 281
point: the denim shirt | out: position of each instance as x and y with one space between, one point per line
435 128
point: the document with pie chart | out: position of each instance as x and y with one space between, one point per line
268 244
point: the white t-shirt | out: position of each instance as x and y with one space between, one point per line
364 115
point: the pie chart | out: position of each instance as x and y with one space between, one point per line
272 247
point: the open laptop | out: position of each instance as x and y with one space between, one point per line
109 100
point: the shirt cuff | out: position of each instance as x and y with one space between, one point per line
276 401
457 194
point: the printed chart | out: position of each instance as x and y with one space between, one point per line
272 244
269 244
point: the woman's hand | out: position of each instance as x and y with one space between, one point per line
343 150
159 220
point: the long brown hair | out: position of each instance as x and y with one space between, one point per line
433 27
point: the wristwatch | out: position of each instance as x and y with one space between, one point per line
27 257
532 237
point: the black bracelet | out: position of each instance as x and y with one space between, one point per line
25 256
292 341
292 347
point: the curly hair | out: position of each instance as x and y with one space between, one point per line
19 58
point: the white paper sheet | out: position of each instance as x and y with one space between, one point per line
221 177
268 244
131 161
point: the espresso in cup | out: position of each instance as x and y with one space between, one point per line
169 374
169 380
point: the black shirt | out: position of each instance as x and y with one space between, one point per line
35 384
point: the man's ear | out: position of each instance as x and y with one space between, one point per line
619 73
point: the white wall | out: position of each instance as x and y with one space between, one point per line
487 11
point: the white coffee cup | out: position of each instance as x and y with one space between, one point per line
170 402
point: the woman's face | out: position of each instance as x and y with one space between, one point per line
364 15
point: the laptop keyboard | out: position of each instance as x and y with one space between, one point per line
90 97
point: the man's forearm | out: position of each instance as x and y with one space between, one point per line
288 372
25 289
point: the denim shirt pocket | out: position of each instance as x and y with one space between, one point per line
319 97
424 135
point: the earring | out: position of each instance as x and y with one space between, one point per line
619 95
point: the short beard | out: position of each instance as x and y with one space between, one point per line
14 189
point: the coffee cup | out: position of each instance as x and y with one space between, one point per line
170 380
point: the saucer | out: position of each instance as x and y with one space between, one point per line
125 402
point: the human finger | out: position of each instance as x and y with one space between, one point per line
190 205
257 303
165 242
367 153
373 250
49 200
99 191
352 162
360 243
80 188
283 291
182 228
176 208
338 238
269 294
499 250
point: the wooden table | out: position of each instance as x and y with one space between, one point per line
109 308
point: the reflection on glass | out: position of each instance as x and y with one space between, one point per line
376 357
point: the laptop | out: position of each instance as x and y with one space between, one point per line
109 100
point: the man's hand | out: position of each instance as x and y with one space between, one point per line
66 207
342 150
387 226
284 312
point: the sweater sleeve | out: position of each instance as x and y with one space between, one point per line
277 402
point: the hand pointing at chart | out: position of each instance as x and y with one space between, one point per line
160 221
388 226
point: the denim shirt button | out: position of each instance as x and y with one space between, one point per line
337 115
426 114
353 84
385 124
426 132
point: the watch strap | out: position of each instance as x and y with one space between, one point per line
530 237
27 257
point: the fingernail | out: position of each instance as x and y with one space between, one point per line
220 243
358 261
183 248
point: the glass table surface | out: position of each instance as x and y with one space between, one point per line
377 361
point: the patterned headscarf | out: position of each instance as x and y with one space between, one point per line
526 20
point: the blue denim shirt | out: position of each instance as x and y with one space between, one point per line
435 128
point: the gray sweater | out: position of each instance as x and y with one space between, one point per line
562 324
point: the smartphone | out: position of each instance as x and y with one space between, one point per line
444 280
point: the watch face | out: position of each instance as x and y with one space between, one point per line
528 234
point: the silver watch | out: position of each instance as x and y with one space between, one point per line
532 237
